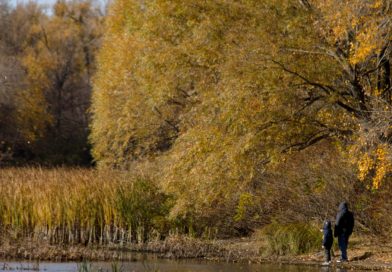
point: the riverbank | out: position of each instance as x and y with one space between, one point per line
366 253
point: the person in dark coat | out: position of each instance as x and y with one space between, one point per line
343 229
327 241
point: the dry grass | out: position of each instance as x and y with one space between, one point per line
70 206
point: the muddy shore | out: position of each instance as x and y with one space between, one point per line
364 253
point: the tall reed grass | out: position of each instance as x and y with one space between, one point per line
70 206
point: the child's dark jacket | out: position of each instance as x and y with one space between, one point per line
328 235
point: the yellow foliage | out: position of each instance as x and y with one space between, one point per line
365 164
384 165
376 164
361 22
211 92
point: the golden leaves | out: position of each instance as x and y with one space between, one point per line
365 164
384 164
363 24
376 164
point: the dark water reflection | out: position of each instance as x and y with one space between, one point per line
158 265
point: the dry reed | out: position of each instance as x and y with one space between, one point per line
73 206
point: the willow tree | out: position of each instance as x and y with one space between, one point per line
216 93
168 88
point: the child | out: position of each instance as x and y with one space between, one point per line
327 241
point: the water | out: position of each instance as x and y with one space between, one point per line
160 265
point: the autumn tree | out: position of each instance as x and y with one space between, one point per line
219 94
15 24
52 108
186 84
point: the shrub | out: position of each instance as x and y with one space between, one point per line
294 238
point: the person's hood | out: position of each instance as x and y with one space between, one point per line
327 225
343 207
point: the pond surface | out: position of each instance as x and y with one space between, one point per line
159 265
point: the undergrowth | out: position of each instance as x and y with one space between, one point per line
290 239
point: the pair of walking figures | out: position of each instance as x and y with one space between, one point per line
343 229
